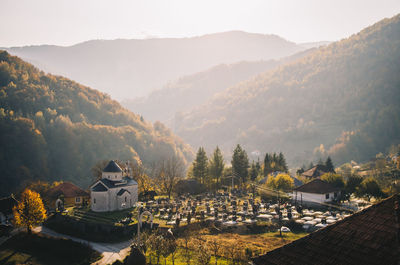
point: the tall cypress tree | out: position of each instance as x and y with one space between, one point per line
282 163
240 163
267 164
216 166
200 166
329 165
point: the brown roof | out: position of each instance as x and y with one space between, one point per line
368 237
317 186
315 172
68 189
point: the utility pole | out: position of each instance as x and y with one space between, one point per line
279 216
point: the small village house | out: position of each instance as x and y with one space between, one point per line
66 195
6 210
315 172
315 192
114 191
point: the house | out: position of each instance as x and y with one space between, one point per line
370 236
6 210
113 191
315 172
66 195
315 192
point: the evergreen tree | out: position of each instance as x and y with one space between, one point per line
282 163
200 166
240 163
253 171
267 164
329 165
216 166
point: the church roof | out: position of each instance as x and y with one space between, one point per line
122 191
367 237
111 184
112 167
99 187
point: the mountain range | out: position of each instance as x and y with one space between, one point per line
127 69
340 100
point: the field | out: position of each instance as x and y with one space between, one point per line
40 250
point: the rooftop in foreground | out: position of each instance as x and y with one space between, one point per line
367 237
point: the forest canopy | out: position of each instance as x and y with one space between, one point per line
52 128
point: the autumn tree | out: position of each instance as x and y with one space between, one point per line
240 163
200 167
352 183
216 166
280 182
168 173
335 180
30 210
369 187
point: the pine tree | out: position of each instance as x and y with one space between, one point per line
200 166
253 172
267 164
329 165
282 163
240 163
216 166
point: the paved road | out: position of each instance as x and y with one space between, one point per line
111 251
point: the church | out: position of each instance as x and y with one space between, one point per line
113 191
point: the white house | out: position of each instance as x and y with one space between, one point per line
315 192
113 191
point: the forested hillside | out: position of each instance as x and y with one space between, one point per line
342 100
52 128
192 91
131 68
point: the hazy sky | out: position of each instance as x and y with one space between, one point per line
66 22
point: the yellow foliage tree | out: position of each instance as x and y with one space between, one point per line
280 182
30 210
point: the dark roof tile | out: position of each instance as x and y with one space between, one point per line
357 239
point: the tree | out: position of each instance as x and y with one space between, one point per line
267 165
329 165
352 183
335 180
216 166
200 169
215 246
169 172
253 172
30 210
282 166
369 187
240 163
280 182
203 256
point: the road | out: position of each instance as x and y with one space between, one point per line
111 251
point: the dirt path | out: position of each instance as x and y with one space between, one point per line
110 251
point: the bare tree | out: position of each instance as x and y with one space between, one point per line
215 246
97 169
169 172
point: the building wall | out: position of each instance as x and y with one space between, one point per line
112 175
109 200
313 197
99 201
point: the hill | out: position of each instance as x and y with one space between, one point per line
192 91
52 128
133 68
341 100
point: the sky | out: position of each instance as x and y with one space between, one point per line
67 22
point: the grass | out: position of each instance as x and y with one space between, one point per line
86 214
40 250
